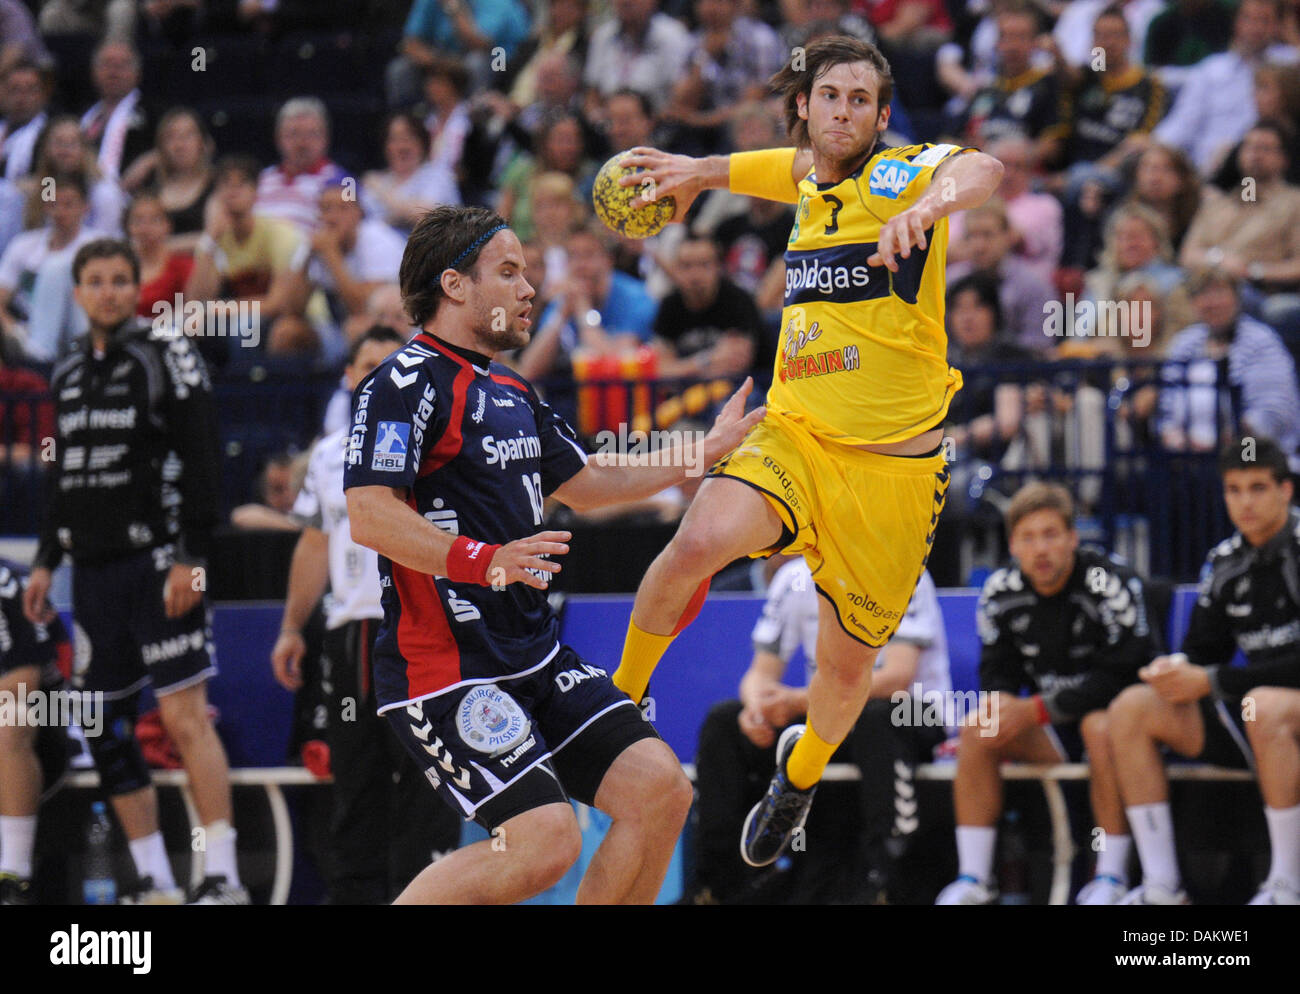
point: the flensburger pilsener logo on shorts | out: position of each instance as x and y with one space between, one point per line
490 720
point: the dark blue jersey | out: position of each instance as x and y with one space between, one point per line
478 452
21 642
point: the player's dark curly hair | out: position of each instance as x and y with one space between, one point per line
807 64
443 236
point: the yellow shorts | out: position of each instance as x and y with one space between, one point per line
863 521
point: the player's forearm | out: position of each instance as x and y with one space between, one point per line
765 671
767 173
308 576
384 522
615 478
963 182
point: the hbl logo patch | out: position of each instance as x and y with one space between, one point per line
390 449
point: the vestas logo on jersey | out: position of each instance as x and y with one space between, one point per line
838 273
890 178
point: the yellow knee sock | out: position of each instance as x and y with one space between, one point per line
641 654
808 758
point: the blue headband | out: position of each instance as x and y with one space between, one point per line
476 243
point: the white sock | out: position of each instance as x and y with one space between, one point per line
17 838
1284 835
975 845
150 855
1153 831
221 860
1113 860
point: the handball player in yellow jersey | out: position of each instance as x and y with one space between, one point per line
847 467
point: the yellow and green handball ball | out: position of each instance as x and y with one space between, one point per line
615 205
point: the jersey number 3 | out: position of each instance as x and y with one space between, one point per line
837 205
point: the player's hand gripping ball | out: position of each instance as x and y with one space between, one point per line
617 206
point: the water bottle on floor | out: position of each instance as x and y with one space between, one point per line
100 886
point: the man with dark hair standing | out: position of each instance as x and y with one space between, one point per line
385 823
1198 705
133 501
451 458
847 469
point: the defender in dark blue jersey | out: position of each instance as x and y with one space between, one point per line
450 460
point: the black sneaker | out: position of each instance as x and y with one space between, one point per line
215 890
15 891
781 812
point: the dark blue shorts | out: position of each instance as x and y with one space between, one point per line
1225 735
123 638
1068 741
496 750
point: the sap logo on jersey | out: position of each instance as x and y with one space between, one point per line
390 449
490 721
890 178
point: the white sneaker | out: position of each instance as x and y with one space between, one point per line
1102 890
967 890
1277 891
215 890
1155 894
144 892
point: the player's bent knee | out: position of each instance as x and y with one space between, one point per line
1095 729
972 739
1130 707
550 840
693 553
1270 703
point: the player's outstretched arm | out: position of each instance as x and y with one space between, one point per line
772 174
964 181
616 477
381 520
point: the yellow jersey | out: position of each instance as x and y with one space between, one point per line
862 358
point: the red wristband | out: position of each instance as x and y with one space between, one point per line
1044 718
468 561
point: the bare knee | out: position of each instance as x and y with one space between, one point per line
1095 730
973 741
670 794
848 676
548 841
186 722
693 551
1274 712
1128 711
